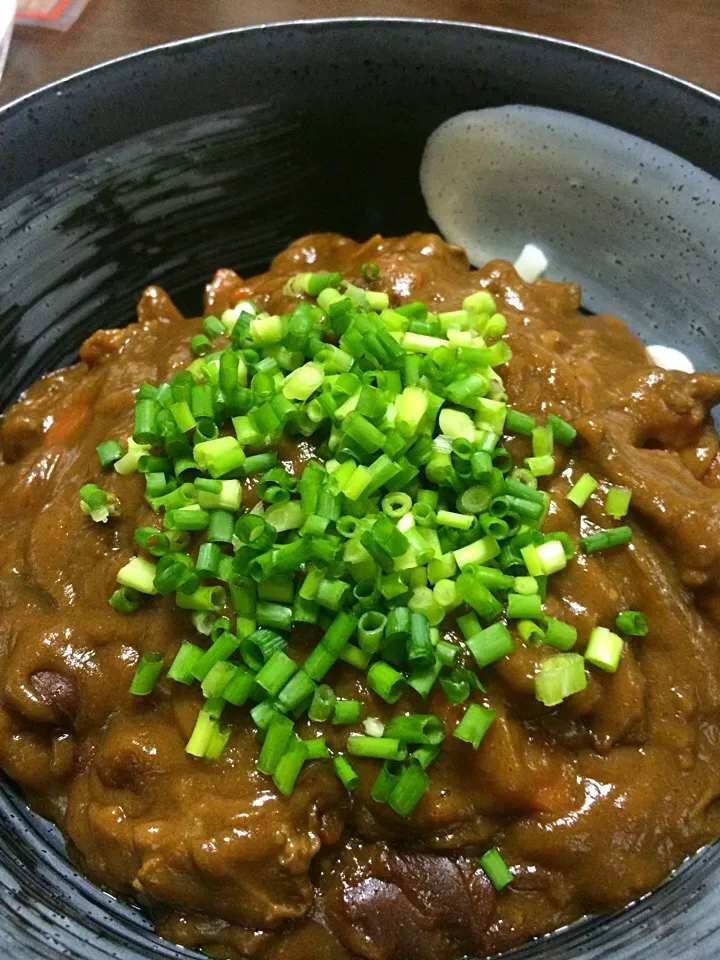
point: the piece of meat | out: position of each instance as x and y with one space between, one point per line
388 904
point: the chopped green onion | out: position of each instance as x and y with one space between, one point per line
490 644
416 728
125 600
517 422
275 744
109 452
275 673
147 673
524 607
495 869
542 466
290 765
562 431
346 711
347 775
559 677
323 704
617 502
475 723
607 538
138 574
409 789
582 490
383 748
385 681
604 649
562 636
632 623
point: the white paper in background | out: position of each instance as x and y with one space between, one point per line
53 14
7 12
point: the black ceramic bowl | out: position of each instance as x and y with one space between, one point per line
218 151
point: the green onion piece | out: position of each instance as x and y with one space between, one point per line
562 636
354 656
416 728
526 585
205 727
542 441
183 416
496 869
274 615
129 463
517 422
475 723
607 538
152 540
446 653
208 560
217 679
491 644
218 741
473 592
456 685
138 574
97 503
275 744
221 526
530 632
419 647
200 345
204 598
320 661
543 466
331 593
317 749
385 681
109 452
262 715
323 704
551 556
296 692
524 607
371 629
560 677
276 672
617 502
581 492
562 431
479 552
632 623
125 600
408 790
147 673
385 783
347 775
186 660
457 521
383 748
290 765
346 711
222 649
604 649
239 687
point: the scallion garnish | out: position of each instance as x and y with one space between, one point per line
496 869
417 509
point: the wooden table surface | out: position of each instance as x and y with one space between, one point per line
679 36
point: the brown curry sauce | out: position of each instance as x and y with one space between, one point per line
593 802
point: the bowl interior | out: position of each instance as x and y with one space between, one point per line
159 168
